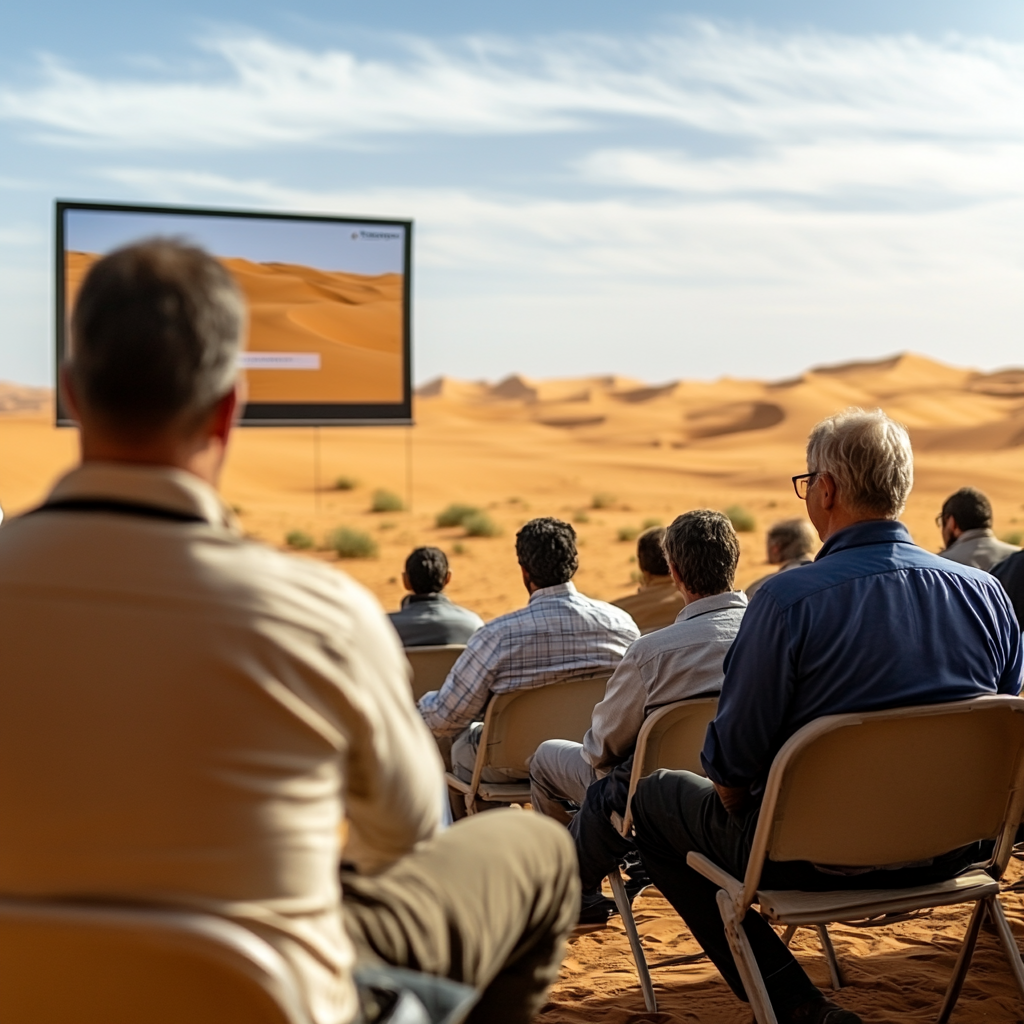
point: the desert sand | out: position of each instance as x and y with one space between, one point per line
353 322
523 448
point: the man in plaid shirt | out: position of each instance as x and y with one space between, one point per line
558 635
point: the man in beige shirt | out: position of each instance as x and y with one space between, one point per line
187 717
657 602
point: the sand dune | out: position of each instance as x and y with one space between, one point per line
352 321
521 448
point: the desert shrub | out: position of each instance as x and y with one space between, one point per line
1013 537
742 520
346 483
299 539
387 525
386 501
349 543
649 524
458 549
581 516
628 533
480 524
456 514
602 500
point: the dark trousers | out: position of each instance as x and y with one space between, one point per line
599 846
676 812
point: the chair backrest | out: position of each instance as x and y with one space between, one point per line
517 723
99 965
671 737
431 665
895 787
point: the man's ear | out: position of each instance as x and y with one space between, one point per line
67 391
447 579
827 491
224 414
405 582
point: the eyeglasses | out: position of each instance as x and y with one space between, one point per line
802 484
940 520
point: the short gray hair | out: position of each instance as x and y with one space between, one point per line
155 336
869 457
794 538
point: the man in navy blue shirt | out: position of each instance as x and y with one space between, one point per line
875 622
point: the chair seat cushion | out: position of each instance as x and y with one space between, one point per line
788 906
509 792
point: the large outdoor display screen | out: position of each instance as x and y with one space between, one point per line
329 317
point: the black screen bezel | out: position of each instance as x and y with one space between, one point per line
257 414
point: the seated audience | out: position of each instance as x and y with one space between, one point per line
680 661
966 524
558 635
829 639
790 543
188 716
657 602
427 617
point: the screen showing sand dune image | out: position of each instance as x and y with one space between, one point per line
327 298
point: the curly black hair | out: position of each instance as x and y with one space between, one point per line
703 547
427 569
546 549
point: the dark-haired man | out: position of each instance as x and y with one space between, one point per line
678 662
966 525
427 617
214 709
558 635
657 602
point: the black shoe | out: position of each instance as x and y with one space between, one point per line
822 1011
636 883
595 910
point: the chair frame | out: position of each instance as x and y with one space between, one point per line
514 792
641 768
980 884
234 950
432 651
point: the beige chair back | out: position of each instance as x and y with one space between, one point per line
671 737
94 965
517 723
894 787
431 665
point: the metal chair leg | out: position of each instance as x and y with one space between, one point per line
787 935
963 961
746 964
995 911
830 955
626 913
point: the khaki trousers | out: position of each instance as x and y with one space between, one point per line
489 902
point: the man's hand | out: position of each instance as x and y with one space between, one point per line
733 797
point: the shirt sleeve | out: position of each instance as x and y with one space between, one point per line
756 694
618 718
464 694
394 779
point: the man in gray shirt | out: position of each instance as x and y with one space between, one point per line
678 662
966 524
427 617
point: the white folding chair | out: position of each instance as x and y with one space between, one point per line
516 724
882 788
671 737
67 963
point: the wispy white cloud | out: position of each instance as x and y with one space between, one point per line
751 85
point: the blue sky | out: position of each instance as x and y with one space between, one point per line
656 190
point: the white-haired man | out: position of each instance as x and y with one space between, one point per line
188 717
829 639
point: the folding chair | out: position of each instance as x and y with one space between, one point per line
516 723
671 737
62 962
886 787
431 665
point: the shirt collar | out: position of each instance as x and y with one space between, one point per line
558 590
714 603
162 486
874 531
420 598
981 531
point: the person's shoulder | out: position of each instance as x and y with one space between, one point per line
605 608
1010 568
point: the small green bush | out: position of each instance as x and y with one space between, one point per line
580 516
628 533
349 543
480 524
458 549
1013 537
386 501
455 514
602 500
299 539
650 524
346 483
742 520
